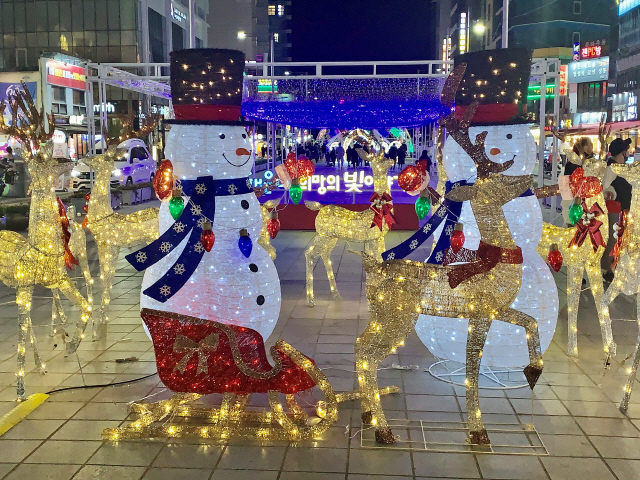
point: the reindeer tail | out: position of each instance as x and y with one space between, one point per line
313 205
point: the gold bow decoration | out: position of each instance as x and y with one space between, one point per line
189 347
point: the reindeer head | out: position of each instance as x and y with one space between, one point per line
104 162
379 166
31 127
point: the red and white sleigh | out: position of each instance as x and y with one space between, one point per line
197 357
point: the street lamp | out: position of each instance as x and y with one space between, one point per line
242 35
479 28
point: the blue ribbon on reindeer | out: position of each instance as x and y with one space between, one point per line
202 193
449 213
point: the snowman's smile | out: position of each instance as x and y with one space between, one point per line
238 164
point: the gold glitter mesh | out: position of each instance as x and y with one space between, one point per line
265 240
626 279
113 231
38 259
231 419
334 223
399 291
580 258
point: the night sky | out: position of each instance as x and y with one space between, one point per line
358 30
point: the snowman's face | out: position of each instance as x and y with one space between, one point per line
503 143
222 151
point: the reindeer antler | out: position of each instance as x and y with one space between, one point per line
30 127
149 124
603 132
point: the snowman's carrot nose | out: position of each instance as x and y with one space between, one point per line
494 151
242 151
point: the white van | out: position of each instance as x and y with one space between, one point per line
133 164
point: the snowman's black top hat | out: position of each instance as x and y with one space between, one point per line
498 80
206 86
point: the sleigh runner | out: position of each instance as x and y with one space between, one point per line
196 357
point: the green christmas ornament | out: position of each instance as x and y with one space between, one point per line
575 211
423 204
176 204
295 191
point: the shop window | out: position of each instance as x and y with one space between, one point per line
280 10
79 107
21 58
276 37
199 43
575 38
59 100
272 9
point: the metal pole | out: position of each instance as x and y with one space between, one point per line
554 149
541 140
505 23
253 148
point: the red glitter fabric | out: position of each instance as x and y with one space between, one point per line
584 187
69 259
480 261
618 247
203 356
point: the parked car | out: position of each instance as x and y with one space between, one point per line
134 164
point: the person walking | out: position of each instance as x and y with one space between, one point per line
393 154
340 155
402 155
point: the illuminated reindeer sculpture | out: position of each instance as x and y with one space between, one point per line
113 231
482 289
627 250
334 222
43 257
582 246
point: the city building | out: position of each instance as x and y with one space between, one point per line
46 43
253 26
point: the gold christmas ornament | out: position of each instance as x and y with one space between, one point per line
40 259
335 223
113 231
627 279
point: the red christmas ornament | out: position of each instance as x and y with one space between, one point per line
555 258
457 238
304 168
273 225
207 237
163 182
410 178
87 197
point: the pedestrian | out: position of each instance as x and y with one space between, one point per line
402 154
340 155
393 154
617 192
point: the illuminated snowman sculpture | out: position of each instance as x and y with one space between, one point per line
236 282
506 345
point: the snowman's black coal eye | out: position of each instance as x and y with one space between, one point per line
222 136
509 136
244 135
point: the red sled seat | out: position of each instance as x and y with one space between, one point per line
194 355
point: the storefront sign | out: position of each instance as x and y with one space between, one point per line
105 107
60 150
589 70
66 75
563 79
266 85
624 107
625 5
587 117
76 120
177 15
576 51
59 136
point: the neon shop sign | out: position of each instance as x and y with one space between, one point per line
356 182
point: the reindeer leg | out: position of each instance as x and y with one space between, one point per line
534 369
325 254
109 256
613 291
628 387
597 289
574 285
310 256
478 329
69 290
24 296
57 312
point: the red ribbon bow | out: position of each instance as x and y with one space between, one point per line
382 207
589 225
618 246
480 261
